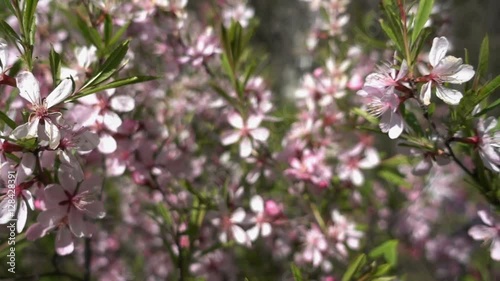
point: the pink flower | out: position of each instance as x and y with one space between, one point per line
386 104
76 199
315 246
245 132
387 77
205 47
352 163
488 143
310 166
17 200
231 228
262 225
445 70
239 13
343 232
43 123
489 233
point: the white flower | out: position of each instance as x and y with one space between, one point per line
447 69
42 122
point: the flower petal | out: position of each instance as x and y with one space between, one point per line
22 216
438 50
122 103
260 134
60 93
52 133
449 96
257 204
245 147
230 137
28 87
64 242
235 120
3 55
425 93
112 121
107 144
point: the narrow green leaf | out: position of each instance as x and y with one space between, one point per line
389 250
422 16
484 57
29 22
392 35
108 29
488 108
8 32
89 33
394 178
110 66
354 267
55 66
297 275
9 122
112 85
118 35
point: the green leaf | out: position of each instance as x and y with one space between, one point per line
392 35
484 57
110 66
422 16
29 22
9 122
389 250
112 85
354 267
471 99
117 35
297 275
55 66
108 29
360 112
488 108
382 270
394 178
8 32
89 33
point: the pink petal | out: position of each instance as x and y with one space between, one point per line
107 144
253 233
260 134
257 204
76 222
438 50
240 236
495 249
54 194
28 87
35 231
245 147
60 93
112 121
52 133
235 120
238 216
230 137
3 55
64 242
122 103
253 121
22 216
485 217
449 96
95 210
481 232
425 93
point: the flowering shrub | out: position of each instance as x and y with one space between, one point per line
141 140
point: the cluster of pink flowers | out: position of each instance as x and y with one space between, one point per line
207 172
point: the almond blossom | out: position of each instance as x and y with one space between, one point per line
343 232
487 141
261 221
22 196
245 132
43 122
447 69
352 163
490 232
231 227
384 103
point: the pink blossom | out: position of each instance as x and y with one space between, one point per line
262 225
343 232
310 166
245 132
488 143
490 232
205 47
386 104
352 163
447 69
43 122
